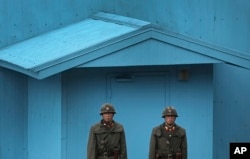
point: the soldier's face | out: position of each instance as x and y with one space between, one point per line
170 119
107 116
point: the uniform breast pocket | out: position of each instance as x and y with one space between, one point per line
100 136
115 137
113 140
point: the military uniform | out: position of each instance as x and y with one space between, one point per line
107 141
168 142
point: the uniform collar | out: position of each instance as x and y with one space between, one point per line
107 124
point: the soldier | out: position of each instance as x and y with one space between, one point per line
168 140
107 137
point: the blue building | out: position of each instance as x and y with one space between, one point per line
61 60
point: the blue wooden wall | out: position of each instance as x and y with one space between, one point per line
224 23
231 108
44 118
13 115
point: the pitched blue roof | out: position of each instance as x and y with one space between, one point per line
53 48
95 37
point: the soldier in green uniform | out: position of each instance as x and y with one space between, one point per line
107 137
168 140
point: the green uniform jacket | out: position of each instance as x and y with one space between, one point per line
103 139
164 142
